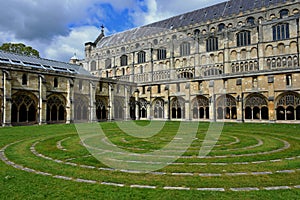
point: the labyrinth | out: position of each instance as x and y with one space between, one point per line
248 161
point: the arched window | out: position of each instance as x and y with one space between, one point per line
212 44
108 63
101 111
93 66
118 108
56 109
161 54
143 108
284 13
221 27
243 38
178 109
141 57
124 60
250 20
81 108
159 109
24 108
256 108
226 107
55 82
200 108
288 106
185 49
281 32
24 79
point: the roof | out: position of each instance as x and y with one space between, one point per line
40 63
224 9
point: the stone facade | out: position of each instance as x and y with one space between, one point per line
234 61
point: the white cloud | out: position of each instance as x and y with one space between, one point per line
64 47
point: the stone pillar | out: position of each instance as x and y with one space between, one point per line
40 106
187 103
111 102
92 102
69 104
137 109
212 102
6 99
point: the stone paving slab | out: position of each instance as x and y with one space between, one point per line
245 189
211 189
277 188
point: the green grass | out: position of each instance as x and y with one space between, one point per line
18 184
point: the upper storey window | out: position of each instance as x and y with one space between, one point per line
161 54
185 49
221 27
212 44
108 63
93 66
243 38
281 32
124 60
284 13
250 20
141 57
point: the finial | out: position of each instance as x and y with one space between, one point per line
102 28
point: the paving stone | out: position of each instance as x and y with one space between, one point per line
183 174
261 173
245 189
297 186
211 189
87 166
219 164
175 188
63 177
237 174
85 181
143 186
208 174
113 184
258 162
43 173
286 171
278 188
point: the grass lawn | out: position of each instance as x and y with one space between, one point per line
50 162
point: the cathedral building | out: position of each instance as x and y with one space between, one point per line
234 61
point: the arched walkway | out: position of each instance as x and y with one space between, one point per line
288 106
118 108
200 107
24 108
256 107
177 108
158 108
56 109
143 108
226 107
101 108
81 108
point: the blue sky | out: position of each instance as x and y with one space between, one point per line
59 28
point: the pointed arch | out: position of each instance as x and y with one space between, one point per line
226 107
56 109
158 108
200 107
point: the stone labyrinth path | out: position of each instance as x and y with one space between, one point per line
241 161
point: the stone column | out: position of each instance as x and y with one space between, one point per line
40 106
137 109
92 102
187 102
212 102
7 101
111 102
69 103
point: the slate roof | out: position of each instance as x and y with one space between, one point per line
224 9
40 63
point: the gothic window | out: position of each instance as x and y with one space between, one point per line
118 108
161 54
177 111
55 109
213 72
143 108
101 111
141 57
212 44
108 63
200 108
226 107
256 108
80 84
185 75
24 108
124 60
81 108
24 79
243 38
288 107
55 82
93 66
159 109
281 32
185 49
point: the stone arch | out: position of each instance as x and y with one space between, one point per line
220 57
158 105
293 47
200 107
101 108
81 106
93 66
288 106
269 50
233 55
254 52
178 108
226 107
143 104
119 108
256 107
24 108
56 109
243 54
281 48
